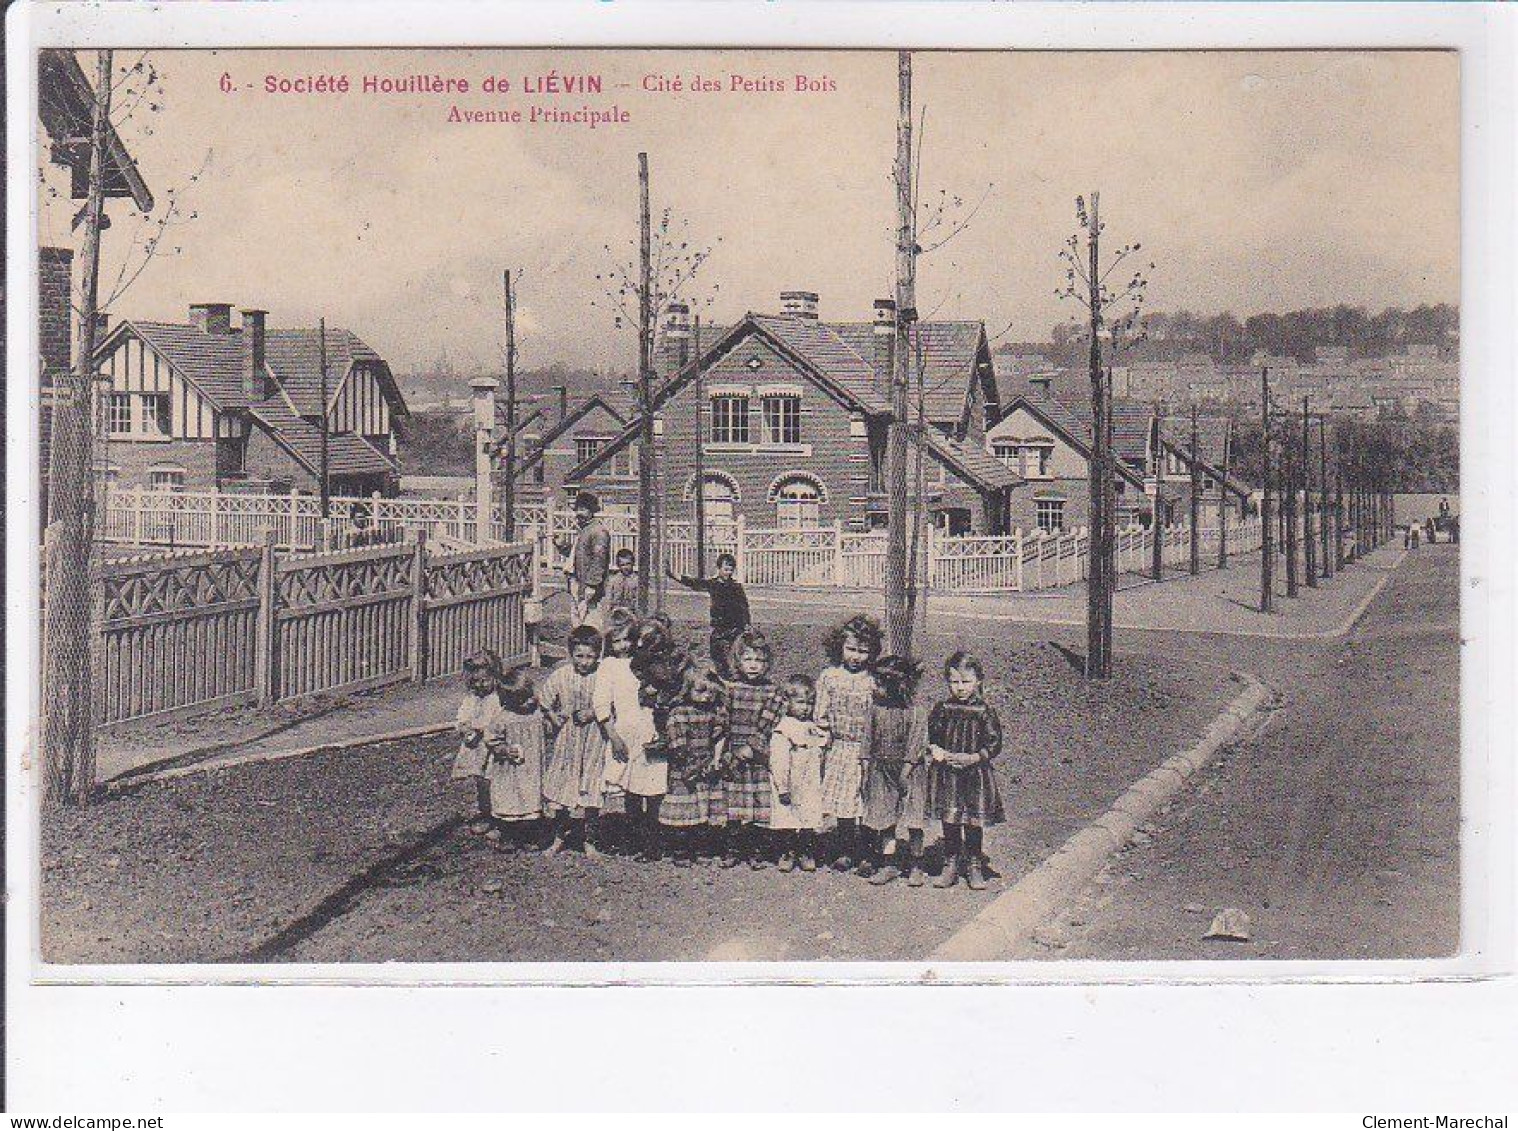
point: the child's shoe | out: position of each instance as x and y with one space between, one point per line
592 852
916 878
727 860
950 874
494 834
788 862
885 875
866 869
808 862
555 847
479 826
843 862
974 879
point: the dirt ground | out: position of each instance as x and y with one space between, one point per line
359 856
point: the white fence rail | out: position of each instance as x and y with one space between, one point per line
817 558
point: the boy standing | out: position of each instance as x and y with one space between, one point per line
729 612
622 585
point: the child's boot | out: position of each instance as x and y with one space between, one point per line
975 879
950 874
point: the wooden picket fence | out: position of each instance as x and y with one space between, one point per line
200 629
833 557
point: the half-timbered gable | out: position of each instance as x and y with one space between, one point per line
208 406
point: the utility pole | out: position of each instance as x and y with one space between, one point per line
1196 501
648 562
1267 519
1309 541
1223 494
324 460
1099 585
68 723
509 486
898 614
1289 502
1157 567
700 456
1323 496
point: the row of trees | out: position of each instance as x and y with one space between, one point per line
1297 333
1403 455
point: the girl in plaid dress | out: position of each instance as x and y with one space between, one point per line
574 778
694 734
754 706
964 736
894 776
845 692
477 709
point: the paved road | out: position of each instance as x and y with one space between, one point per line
1335 827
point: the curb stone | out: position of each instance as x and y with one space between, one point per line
1007 922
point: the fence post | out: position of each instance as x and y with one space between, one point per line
418 620
839 575
263 639
137 515
1018 544
740 550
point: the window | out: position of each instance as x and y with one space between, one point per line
1050 513
155 415
119 414
797 505
782 419
166 478
1031 461
718 499
730 419
587 446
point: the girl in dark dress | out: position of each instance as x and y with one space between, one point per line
964 736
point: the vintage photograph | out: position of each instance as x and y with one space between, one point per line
621 505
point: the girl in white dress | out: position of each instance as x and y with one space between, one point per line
628 727
796 751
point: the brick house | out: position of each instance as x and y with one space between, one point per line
794 413
1047 439
206 406
553 450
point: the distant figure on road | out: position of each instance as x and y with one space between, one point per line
589 563
729 613
1410 539
1444 506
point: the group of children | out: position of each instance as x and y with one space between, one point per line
734 766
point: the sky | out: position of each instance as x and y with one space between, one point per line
1254 181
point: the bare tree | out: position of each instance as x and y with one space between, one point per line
1114 310
639 290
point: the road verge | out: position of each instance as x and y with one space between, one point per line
1005 924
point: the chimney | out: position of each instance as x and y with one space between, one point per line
254 386
676 338
884 338
211 317
799 304
562 393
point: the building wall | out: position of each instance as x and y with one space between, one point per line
360 407
54 280
135 369
133 461
265 460
560 458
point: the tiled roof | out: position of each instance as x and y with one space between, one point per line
212 361
820 344
295 358
949 352
347 454
976 464
1130 427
